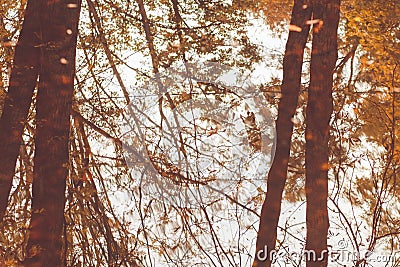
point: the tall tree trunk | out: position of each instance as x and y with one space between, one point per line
318 114
292 68
59 25
23 81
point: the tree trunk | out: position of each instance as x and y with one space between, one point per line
23 81
318 114
59 25
292 68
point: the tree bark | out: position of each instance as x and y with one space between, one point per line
59 28
292 68
23 81
318 114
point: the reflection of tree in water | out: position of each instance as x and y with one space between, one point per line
112 218
222 145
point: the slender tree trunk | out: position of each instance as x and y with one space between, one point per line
23 81
292 68
318 114
59 24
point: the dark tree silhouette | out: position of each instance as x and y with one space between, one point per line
59 29
292 66
23 81
318 114
325 18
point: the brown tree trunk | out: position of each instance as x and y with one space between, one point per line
318 114
23 81
292 68
59 24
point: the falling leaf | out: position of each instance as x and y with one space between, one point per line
312 21
294 28
71 5
63 61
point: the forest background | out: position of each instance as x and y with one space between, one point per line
129 180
